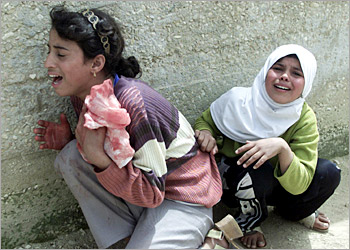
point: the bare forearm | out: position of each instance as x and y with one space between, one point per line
285 156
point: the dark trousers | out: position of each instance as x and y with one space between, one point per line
254 189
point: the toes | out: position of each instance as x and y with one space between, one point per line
323 218
261 243
319 224
244 241
253 240
250 243
320 213
253 243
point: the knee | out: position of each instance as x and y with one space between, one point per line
329 172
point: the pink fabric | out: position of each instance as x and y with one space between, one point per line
195 182
104 110
131 185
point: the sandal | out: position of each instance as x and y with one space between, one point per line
309 222
227 229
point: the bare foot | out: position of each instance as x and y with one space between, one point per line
322 222
254 239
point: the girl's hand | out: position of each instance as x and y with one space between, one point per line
206 141
53 135
92 143
262 150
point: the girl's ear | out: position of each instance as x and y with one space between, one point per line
98 63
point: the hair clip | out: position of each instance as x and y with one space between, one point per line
93 19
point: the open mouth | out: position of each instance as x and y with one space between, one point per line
281 87
56 79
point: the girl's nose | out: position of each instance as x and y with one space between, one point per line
48 62
284 77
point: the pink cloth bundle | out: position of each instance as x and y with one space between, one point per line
104 110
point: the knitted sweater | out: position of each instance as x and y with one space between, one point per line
302 137
167 162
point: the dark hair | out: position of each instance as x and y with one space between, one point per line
74 26
292 56
289 55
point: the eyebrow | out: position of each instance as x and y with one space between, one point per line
57 47
295 68
60 47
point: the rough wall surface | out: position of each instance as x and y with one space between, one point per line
191 52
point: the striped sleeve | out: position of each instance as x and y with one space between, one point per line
133 185
142 180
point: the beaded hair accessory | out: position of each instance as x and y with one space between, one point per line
93 19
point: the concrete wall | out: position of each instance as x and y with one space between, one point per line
191 52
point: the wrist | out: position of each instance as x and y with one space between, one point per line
285 149
103 162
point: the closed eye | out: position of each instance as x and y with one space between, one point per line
297 71
277 68
298 74
58 48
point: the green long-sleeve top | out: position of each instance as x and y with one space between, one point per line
302 137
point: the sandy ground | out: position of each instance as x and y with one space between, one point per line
279 233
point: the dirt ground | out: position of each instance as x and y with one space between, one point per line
279 233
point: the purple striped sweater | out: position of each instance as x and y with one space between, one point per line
167 161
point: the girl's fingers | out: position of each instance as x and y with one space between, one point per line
243 158
196 133
244 148
260 162
259 159
203 146
43 123
249 147
39 131
215 150
248 158
43 146
200 139
253 158
39 138
210 146
205 141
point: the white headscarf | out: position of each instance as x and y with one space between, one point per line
250 114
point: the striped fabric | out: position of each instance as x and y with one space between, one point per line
167 162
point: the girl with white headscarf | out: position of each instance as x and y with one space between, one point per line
266 137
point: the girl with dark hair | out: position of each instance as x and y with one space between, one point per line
163 196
